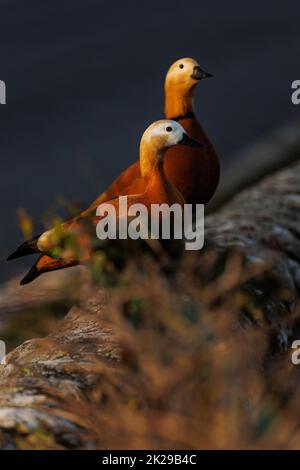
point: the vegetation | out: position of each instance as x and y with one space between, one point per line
193 352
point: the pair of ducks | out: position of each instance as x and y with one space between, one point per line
166 172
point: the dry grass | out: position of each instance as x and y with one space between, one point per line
196 365
194 371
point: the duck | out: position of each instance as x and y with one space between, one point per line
155 142
195 172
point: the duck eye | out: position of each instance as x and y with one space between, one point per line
169 129
181 66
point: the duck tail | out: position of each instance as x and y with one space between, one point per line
27 248
46 264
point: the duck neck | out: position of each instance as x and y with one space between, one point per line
158 187
151 161
179 101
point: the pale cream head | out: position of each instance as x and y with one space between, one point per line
163 134
156 139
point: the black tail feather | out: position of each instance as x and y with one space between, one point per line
39 267
27 248
32 274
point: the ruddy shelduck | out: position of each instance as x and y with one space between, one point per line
194 171
156 140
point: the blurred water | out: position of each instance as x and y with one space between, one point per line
84 78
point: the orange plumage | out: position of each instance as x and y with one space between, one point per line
194 171
157 138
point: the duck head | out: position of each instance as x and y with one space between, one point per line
157 138
181 79
186 73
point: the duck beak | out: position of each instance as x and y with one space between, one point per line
187 140
199 74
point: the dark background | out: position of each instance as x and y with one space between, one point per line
84 78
